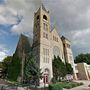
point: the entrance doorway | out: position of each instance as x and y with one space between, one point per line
45 79
46 76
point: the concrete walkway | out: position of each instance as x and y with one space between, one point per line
82 87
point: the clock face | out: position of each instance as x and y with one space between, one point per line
56 51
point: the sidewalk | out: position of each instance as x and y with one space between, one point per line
83 87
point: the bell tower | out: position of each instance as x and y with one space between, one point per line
41 43
41 25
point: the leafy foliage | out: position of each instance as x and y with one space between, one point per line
82 58
32 70
67 84
5 64
11 67
14 69
69 68
60 69
55 86
1 65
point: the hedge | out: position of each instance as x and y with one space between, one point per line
56 86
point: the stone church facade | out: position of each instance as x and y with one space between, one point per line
47 43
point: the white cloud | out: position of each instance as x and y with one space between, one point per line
25 8
3 52
7 15
2 20
88 14
80 40
72 18
80 33
22 27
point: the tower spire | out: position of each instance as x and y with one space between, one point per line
43 7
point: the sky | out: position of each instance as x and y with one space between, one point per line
71 18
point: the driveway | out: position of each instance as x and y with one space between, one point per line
82 87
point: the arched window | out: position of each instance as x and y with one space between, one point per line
45 17
56 51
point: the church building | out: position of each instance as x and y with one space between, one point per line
47 43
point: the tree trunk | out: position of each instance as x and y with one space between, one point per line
36 85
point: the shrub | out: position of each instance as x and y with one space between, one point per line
53 80
80 83
14 69
68 86
74 85
56 86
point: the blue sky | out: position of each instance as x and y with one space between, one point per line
14 20
1 1
71 19
8 41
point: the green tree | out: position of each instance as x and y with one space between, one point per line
1 65
59 69
32 71
55 68
5 64
69 69
62 68
82 58
14 68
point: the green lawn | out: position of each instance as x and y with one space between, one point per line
68 84
63 84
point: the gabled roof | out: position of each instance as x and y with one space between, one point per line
24 45
28 40
64 38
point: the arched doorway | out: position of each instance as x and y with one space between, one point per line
46 76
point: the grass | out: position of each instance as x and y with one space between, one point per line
69 85
63 84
